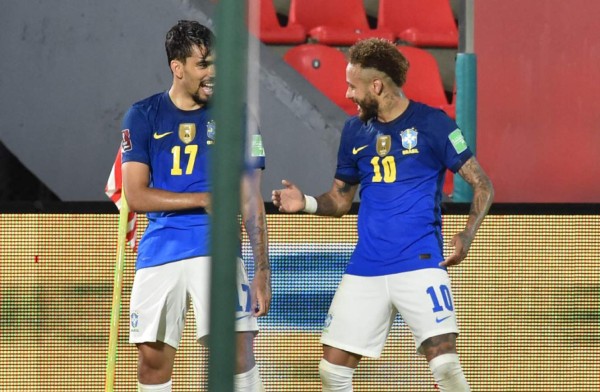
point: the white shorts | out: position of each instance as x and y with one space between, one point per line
161 295
364 308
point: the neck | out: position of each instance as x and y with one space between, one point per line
392 107
182 100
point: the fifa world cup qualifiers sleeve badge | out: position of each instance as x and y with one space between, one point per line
126 140
257 147
458 140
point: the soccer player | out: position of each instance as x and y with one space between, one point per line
397 150
166 144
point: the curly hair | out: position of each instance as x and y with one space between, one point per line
381 55
182 38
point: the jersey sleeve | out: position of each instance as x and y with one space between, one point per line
347 169
135 137
448 142
254 157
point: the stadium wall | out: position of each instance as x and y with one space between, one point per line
539 85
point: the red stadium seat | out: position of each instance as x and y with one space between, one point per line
270 31
334 22
448 187
423 80
419 22
325 68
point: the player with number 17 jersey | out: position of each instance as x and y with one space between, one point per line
176 144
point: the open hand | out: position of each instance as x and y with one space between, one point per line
290 199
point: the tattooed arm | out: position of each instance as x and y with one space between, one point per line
483 195
336 202
255 223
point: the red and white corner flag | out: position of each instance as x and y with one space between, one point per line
113 190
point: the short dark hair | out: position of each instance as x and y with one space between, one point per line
381 55
182 38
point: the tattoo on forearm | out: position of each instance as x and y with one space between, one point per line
483 193
256 228
325 205
343 189
329 204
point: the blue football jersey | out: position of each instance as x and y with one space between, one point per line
400 166
176 145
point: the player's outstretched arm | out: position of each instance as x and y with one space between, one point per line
483 195
142 198
255 223
289 199
336 202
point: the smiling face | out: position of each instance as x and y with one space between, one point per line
359 91
191 59
198 75
193 79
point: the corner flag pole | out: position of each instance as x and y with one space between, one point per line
115 314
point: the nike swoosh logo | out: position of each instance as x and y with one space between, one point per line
161 135
439 320
357 150
242 317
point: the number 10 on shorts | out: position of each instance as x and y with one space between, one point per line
444 293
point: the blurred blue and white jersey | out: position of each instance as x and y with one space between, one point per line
400 167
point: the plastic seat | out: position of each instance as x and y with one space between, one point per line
325 68
334 22
423 80
419 22
448 187
269 30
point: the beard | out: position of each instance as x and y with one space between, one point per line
369 107
204 91
199 100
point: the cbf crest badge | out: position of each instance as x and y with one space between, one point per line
134 319
384 145
187 132
409 141
327 323
210 132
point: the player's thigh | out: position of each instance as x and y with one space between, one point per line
198 270
158 304
244 351
155 357
198 287
425 302
360 316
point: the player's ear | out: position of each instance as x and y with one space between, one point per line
377 86
177 68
